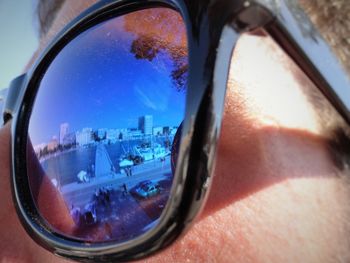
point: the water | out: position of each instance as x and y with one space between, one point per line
64 167
117 212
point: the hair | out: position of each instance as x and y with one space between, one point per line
332 18
334 28
47 11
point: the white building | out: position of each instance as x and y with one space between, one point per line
101 133
112 135
69 139
84 137
53 144
146 124
124 134
135 134
157 131
38 148
173 131
64 127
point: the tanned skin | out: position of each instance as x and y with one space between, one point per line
277 195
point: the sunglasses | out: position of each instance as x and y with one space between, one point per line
115 127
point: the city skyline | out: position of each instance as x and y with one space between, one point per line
64 132
105 85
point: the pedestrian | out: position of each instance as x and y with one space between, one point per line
125 189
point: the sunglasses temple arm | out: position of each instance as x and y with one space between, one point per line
12 98
296 35
3 95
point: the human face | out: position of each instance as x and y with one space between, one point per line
276 194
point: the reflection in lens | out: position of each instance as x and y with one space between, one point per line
103 124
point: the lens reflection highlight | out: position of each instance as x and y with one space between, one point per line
103 125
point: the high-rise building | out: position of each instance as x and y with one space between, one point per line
157 131
40 147
63 132
112 135
124 134
69 139
84 137
53 144
101 133
166 130
146 124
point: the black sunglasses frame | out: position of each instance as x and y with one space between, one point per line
213 29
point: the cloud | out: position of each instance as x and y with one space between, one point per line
146 100
155 95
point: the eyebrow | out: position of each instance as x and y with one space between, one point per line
70 9
53 17
47 11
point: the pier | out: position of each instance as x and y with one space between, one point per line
80 193
103 164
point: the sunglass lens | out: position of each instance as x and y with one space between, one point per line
103 124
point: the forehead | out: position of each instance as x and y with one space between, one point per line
68 11
63 15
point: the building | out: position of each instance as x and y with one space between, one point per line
39 148
112 135
69 139
166 130
157 131
146 124
135 134
173 131
101 134
53 144
64 127
84 137
123 134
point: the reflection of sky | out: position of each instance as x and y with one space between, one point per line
96 82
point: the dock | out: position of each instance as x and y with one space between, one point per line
79 193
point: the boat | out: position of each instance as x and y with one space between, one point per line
149 153
160 152
125 163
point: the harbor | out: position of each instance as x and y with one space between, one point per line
102 198
77 193
115 181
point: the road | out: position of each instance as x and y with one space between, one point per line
120 216
78 194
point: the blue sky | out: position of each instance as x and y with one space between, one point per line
16 28
96 82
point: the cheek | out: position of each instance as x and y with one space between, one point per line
5 193
275 194
268 87
269 132
293 221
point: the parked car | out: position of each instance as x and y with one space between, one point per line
146 189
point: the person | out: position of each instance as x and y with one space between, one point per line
125 189
282 182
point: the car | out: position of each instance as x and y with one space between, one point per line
146 189
144 183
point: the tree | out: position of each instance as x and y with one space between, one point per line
160 30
